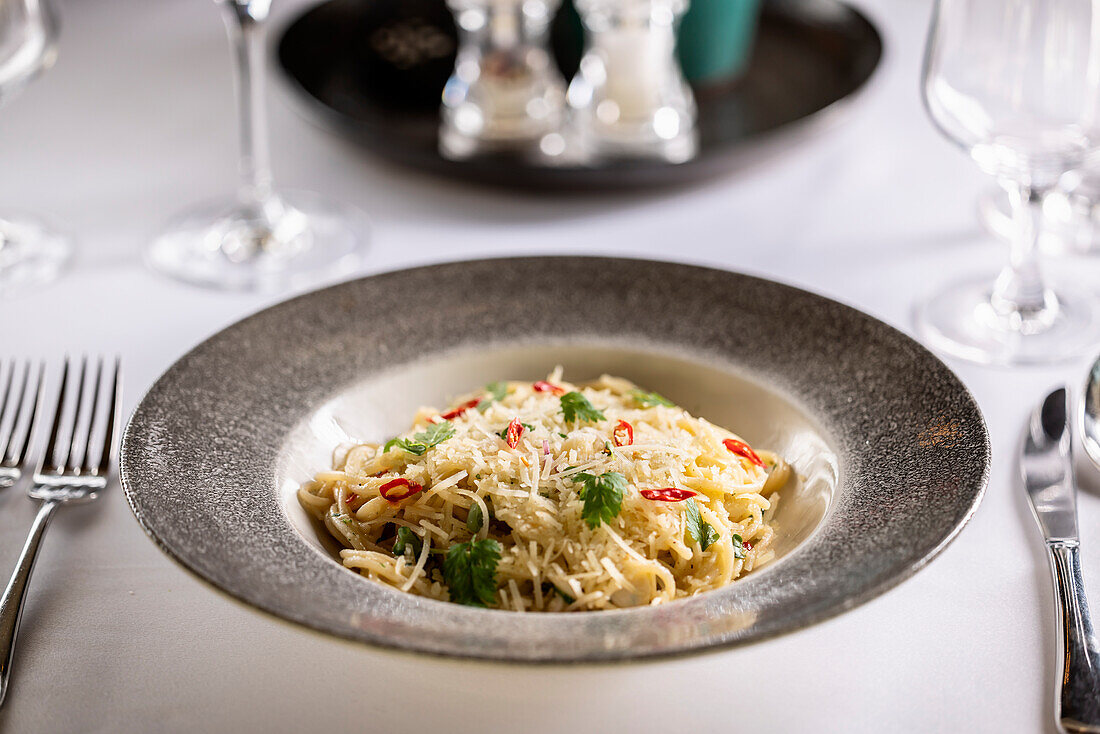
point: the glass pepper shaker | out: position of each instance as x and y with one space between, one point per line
506 93
630 98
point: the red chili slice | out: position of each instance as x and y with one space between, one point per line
747 545
743 449
454 413
350 497
515 430
623 434
544 386
668 494
391 493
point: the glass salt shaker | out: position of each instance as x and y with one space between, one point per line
506 93
630 98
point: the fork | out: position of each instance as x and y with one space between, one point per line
62 476
15 442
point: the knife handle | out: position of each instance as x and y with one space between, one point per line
1077 703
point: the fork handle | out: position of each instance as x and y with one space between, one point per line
11 603
1077 702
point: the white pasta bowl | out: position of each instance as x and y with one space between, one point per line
890 448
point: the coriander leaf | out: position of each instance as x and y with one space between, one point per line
469 570
697 529
650 399
436 434
738 547
496 392
475 518
602 496
405 445
576 407
554 587
407 539
710 535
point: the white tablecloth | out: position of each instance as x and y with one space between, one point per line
136 121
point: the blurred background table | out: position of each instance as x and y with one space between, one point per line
137 119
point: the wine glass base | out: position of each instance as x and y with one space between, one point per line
960 320
303 239
31 253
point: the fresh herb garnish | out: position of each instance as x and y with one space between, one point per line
576 407
602 496
405 445
710 535
496 392
650 399
738 547
469 571
564 435
436 434
698 529
554 587
475 518
503 433
407 539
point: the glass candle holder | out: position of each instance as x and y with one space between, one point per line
506 93
629 98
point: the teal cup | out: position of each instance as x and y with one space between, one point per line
715 39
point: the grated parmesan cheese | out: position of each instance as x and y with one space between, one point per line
530 502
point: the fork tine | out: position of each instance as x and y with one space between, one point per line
29 433
69 466
86 468
112 421
19 400
47 459
7 390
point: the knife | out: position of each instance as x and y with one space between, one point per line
1046 464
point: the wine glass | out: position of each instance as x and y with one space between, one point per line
1015 83
263 239
30 251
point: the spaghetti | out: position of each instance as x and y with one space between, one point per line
569 497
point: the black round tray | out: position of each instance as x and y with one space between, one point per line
374 70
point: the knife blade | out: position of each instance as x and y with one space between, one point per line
1046 464
1047 467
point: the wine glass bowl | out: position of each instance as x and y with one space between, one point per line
1015 83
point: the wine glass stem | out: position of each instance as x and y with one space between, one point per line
244 19
1019 295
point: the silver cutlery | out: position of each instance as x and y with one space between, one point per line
70 470
1046 464
15 436
1090 414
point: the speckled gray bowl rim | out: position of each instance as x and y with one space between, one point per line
910 438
